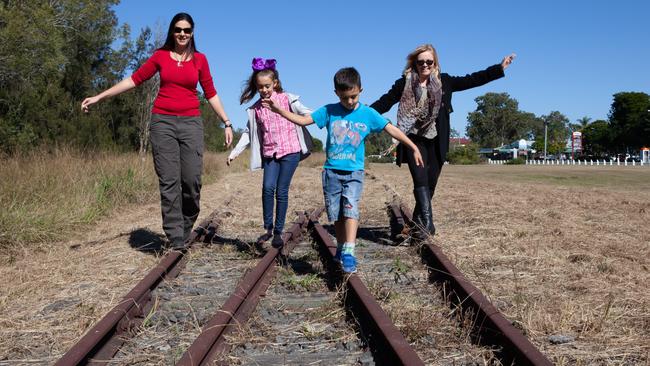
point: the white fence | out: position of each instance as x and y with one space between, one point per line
575 162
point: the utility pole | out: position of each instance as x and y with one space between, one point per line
545 137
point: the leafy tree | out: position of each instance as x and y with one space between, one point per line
497 120
583 122
31 52
530 125
597 138
558 132
376 143
214 136
54 53
630 121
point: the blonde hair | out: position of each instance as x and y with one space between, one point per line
413 57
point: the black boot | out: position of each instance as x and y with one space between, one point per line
432 227
415 218
423 222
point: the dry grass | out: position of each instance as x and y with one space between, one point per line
560 250
46 197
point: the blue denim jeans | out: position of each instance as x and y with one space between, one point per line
342 191
275 187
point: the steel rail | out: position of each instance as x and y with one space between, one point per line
104 339
388 345
493 327
237 309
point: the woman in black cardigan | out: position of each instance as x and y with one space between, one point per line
424 96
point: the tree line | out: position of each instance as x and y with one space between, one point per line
55 53
498 121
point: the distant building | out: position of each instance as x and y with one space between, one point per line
459 142
520 148
462 141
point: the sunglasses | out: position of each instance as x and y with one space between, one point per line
178 30
422 62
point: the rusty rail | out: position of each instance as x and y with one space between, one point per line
388 345
493 327
103 340
236 310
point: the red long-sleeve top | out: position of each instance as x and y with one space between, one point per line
177 95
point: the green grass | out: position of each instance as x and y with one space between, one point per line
614 178
308 282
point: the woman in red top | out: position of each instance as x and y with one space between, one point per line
176 129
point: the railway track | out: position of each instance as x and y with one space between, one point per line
198 308
489 326
105 339
294 328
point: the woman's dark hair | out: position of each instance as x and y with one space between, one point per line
250 88
170 42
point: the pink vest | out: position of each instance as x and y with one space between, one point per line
279 136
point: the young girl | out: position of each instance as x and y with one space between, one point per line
277 145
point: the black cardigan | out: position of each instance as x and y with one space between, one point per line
450 84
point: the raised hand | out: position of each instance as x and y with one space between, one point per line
269 104
508 60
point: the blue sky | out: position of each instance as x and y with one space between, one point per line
572 55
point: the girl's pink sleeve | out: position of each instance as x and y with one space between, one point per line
147 70
205 78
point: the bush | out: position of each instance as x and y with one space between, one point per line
517 161
464 155
318 145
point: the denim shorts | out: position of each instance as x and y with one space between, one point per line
342 190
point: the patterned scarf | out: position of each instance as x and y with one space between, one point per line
409 115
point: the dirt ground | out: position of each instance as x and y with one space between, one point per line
563 252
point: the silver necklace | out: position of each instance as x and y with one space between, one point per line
178 59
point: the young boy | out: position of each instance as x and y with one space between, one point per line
348 123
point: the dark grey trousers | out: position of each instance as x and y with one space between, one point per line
177 144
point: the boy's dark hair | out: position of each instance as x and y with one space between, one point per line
346 79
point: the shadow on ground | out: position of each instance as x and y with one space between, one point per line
147 241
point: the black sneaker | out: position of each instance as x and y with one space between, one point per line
264 237
277 241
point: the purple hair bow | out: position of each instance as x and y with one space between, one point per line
260 64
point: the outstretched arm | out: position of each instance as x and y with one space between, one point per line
295 118
459 83
119 88
401 137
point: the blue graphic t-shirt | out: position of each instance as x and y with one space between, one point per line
346 131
